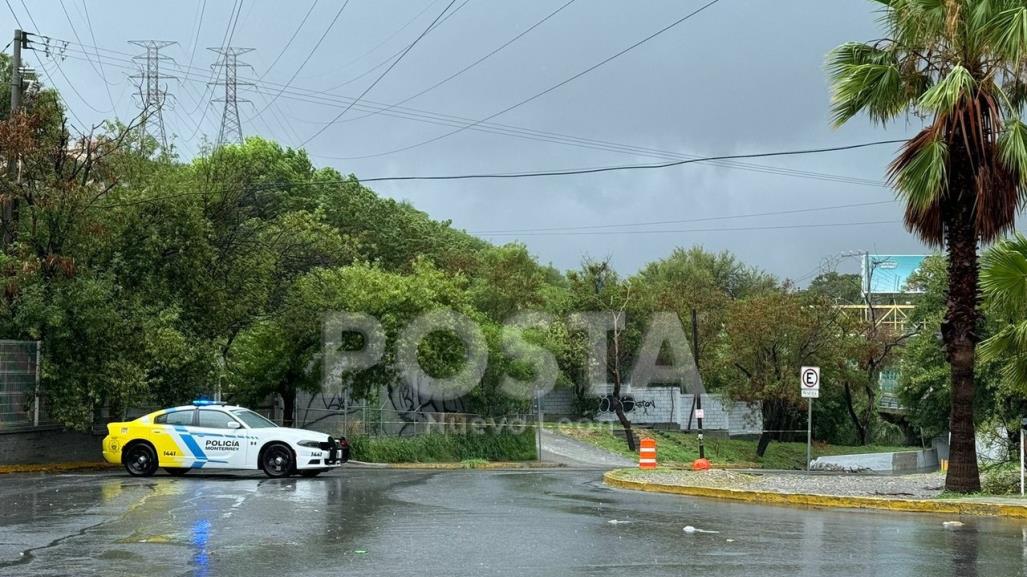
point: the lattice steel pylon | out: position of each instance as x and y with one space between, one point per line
152 96
228 61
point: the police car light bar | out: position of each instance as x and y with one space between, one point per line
205 403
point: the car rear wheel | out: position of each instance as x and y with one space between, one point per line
140 460
312 472
277 461
176 471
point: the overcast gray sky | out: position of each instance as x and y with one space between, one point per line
743 76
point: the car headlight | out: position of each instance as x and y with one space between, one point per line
311 444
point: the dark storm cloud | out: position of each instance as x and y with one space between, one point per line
742 77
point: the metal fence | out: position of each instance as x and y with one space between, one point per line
21 404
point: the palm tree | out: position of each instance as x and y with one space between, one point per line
959 66
1004 283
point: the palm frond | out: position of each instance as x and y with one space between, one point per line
865 78
1006 34
1008 347
1004 277
946 94
1012 149
918 175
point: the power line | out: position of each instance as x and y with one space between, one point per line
15 14
59 69
689 220
547 90
624 167
151 95
231 128
309 55
550 137
544 136
233 16
385 41
383 74
354 180
398 52
718 229
99 71
471 65
196 34
291 39
92 36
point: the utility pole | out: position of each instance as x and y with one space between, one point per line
10 204
151 95
698 396
231 128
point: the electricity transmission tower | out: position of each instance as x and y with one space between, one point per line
228 61
151 95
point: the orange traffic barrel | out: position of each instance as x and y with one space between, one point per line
647 454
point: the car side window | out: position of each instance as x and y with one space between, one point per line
175 418
214 419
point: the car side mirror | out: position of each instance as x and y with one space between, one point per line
233 424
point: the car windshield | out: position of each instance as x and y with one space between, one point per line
253 420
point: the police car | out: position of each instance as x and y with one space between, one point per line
209 435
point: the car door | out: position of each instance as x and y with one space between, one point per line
170 436
221 438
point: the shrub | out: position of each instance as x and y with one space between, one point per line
1002 479
442 448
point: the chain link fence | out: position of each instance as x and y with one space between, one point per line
22 404
366 420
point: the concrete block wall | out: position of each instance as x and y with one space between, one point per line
666 405
52 445
903 462
559 403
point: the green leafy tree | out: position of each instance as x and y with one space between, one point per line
959 65
841 288
767 338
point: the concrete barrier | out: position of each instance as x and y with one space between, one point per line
897 463
48 445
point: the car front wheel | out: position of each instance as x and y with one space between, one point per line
277 461
140 460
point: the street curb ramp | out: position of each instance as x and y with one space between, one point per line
938 506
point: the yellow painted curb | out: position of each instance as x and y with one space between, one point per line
942 506
55 467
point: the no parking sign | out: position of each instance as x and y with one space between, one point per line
809 382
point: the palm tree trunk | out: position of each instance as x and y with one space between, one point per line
960 335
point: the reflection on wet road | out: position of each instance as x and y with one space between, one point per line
398 522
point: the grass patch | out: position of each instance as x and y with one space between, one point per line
473 449
474 463
674 448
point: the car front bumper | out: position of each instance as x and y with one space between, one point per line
331 453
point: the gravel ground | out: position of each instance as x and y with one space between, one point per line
898 487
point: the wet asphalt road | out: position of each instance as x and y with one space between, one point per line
402 522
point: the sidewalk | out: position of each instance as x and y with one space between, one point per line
908 493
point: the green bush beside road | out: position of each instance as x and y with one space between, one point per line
440 448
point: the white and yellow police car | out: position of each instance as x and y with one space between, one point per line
209 435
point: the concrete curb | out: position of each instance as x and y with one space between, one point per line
56 467
477 466
940 506
84 465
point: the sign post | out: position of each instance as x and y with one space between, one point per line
809 385
1023 427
